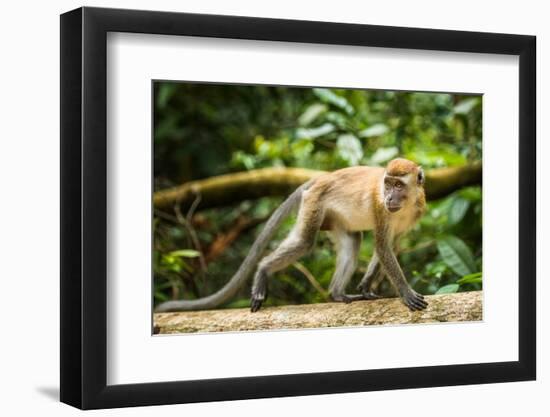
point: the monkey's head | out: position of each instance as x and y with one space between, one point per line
402 180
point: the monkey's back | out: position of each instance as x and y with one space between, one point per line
347 197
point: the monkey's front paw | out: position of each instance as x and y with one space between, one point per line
414 301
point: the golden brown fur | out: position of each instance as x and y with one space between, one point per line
351 197
400 166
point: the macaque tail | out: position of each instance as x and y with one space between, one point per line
248 266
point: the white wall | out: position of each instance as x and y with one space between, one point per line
29 110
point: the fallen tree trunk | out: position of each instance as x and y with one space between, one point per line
465 306
229 189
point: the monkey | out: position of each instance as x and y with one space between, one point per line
345 203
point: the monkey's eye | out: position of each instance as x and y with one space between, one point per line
398 185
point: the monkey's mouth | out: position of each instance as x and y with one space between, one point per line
393 209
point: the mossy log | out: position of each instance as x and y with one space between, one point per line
229 189
465 306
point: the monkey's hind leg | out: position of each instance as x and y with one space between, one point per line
347 247
289 251
298 243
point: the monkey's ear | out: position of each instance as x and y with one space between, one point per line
420 178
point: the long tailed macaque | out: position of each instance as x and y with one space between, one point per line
345 203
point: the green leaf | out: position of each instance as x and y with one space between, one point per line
330 97
377 129
457 255
242 158
171 265
472 194
302 149
311 113
185 253
465 106
448 289
383 155
314 132
337 119
435 158
458 210
349 148
471 279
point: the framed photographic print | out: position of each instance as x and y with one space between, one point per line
257 207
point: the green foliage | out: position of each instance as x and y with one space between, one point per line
474 278
330 97
185 253
349 149
448 289
456 255
201 130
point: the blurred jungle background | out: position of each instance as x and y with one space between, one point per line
215 150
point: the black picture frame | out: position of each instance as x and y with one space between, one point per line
84 207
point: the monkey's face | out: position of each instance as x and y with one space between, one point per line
395 193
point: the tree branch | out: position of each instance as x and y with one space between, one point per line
441 182
229 189
465 306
